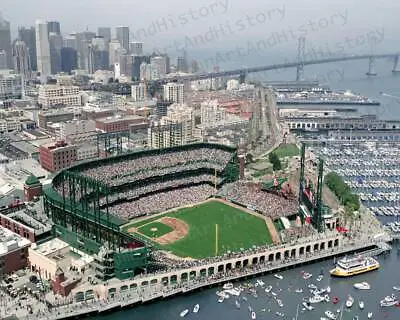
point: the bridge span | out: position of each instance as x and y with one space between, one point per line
245 71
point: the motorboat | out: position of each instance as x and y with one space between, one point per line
349 301
306 275
312 286
316 299
327 298
184 313
222 294
237 304
196 308
221 299
308 306
389 301
278 276
227 286
355 317
328 289
273 293
362 286
370 314
268 289
260 283
335 300
323 318
253 315
280 303
330 315
396 288
348 267
320 277
233 292
299 290
280 314
361 304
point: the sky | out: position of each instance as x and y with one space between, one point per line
247 28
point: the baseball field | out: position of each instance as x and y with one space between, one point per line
204 230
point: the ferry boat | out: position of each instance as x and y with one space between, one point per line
350 267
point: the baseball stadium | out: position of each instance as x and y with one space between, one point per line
142 210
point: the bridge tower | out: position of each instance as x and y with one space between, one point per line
300 58
371 67
396 68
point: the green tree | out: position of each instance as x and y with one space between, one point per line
276 163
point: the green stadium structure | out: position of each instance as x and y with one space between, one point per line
79 207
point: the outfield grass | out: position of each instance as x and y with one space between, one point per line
236 229
287 150
161 229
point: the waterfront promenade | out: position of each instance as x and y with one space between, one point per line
160 291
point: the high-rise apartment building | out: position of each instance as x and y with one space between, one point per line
43 50
136 48
28 36
21 59
174 92
114 51
160 64
56 44
137 92
122 34
54 27
5 41
211 113
104 32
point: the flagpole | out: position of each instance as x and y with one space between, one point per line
216 239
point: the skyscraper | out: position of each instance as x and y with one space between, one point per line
104 32
54 26
136 48
56 44
84 39
28 36
122 34
43 50
21 58
69 55
5 41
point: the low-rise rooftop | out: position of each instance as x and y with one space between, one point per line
9 241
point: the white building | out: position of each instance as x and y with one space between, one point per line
159 63
51 95
10 124
232 84
138 92
86 151
114 52
174 129
174 92
77 131
10 85
211 112
43 50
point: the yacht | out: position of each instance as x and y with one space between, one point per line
330 315
184 313
349 302
362 286
268 289
233 292
389 301
227 286
361 304
308 306
278 276
196 308
253 315
221 299
348 267
316 299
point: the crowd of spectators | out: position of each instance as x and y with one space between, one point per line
123 171
269 204
162 201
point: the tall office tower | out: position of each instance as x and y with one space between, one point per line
104 32
21 59
160 64
136 48
125 64
98 55
194 66
3 60
173 92
43 50
122 34
70 41
114 49
181 64
136 62
84 39
54 26
69 59
5 41
28 36
56 44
